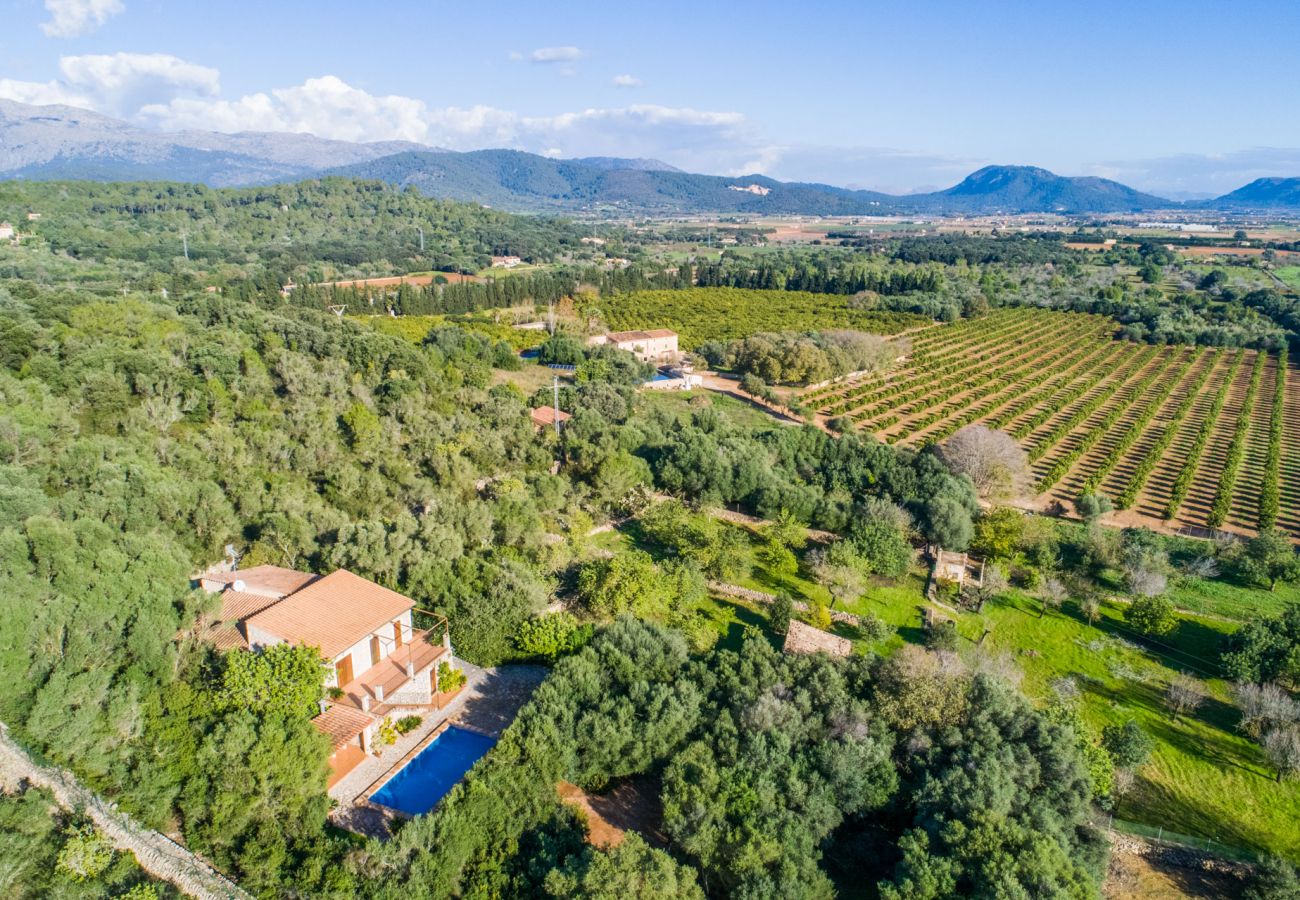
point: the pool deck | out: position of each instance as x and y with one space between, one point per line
489 702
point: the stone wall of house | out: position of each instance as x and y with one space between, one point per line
418 691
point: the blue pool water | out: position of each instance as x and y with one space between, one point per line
434 771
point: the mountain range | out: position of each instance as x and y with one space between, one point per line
62 142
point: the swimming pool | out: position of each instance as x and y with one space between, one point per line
435 770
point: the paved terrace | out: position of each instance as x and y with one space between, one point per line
490 701
392 673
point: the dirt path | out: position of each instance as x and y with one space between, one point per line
156 853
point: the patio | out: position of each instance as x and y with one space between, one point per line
489 703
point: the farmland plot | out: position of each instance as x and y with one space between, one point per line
1198 438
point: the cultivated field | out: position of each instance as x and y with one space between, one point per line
1193 436
719 314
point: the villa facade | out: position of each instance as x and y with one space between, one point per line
380 665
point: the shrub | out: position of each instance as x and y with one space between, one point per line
1128 743
942 635
874 628
407 724
85 854
551 637
1153 616
449 679
778 615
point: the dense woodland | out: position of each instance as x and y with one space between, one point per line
140 433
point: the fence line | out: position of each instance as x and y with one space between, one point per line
1162 838
156 853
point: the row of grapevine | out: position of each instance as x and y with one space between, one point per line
1044 396
967 347
1236 449
1138 479
1270 492
963 333
862 401
1183 483
1076 392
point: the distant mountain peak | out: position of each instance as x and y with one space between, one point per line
47 142
1263 194
617 162
1034 189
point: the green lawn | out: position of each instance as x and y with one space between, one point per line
1226 598
1205 779
682 405
1290 274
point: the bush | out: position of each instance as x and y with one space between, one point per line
551 637
778 615
1153 616
942 636
874 628
85 855
407 724
1127 743
449 679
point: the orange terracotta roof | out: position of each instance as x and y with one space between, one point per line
271 580
342 723
236 606
545 415
227 637
332 613
622 337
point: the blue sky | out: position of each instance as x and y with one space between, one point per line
1188 96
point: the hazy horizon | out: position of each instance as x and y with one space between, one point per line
884 97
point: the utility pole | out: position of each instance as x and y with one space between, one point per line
185 244
555 387
420 229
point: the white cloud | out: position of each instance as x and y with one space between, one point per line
1198 175
170 94
70 18
627 81
118 84
43 93
327 107
555 54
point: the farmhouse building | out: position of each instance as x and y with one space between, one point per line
6 231
656 345
380 663
547 417
506 262
958 568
